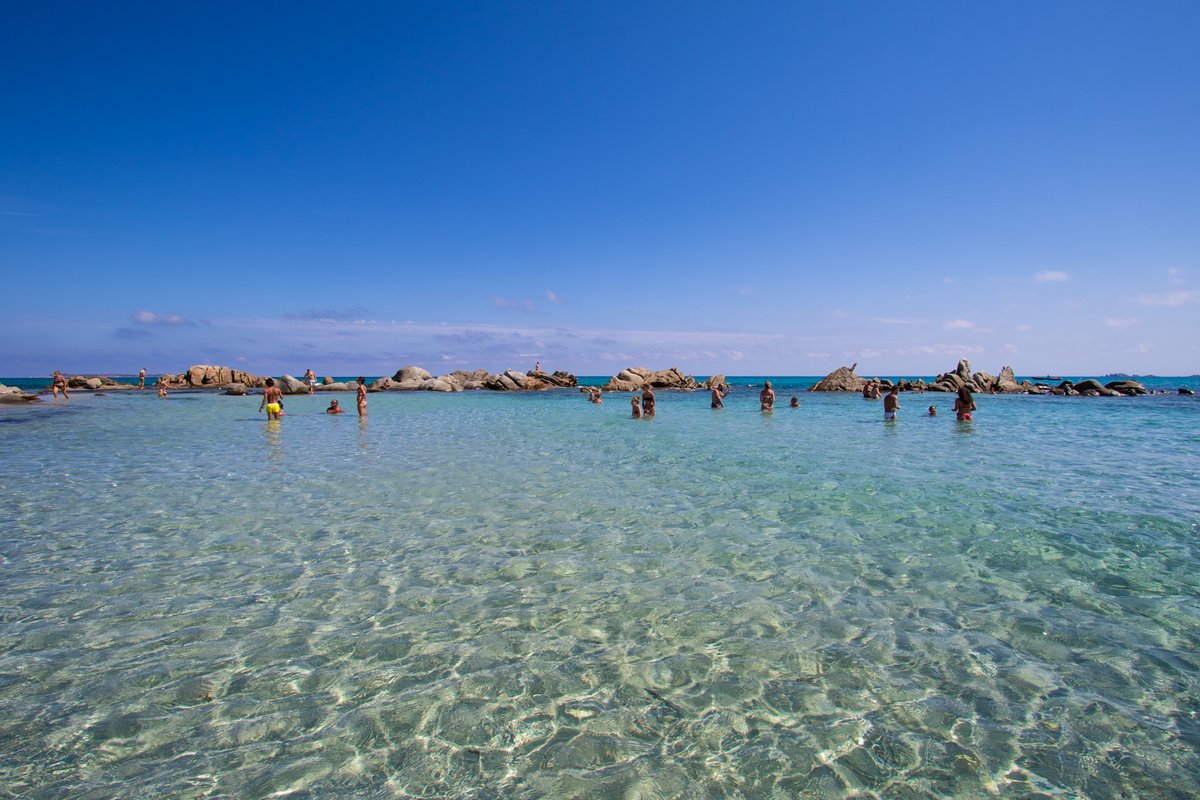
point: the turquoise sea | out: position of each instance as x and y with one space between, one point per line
490 595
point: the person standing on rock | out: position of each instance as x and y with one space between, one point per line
891 403
766 398
964 404
142 379
648 401
312 381
362 396
272 400
59 383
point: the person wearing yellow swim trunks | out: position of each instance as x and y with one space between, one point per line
272 400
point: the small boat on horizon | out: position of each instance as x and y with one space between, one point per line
1046 378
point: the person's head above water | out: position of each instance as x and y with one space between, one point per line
270 381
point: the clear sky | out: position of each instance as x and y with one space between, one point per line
747 188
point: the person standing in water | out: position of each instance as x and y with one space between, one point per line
891 403
648 401
637 407
362 396
964 404
59 384
272 400
719 393
142 379
766 398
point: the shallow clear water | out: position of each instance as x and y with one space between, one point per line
487 595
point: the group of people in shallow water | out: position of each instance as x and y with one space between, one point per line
643 406
272 399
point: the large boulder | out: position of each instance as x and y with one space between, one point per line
842 379
235 389
500 383
1006 382
289 385
715 382
437 385
560 379
411 373
1126 387
519 379
382 385
984 382
635 378
337 386
11 394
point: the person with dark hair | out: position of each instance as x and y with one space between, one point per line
648 401
637 407
362 396
964 404
272 400
719 393
891 403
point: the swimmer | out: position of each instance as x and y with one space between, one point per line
719 392
766 398
60 383
891 403
648 401
272 400
162 390
964 404
637 407
362 396
312 381
933 411
594 395
795 402
142 379
334 408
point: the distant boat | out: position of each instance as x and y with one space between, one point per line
1047 378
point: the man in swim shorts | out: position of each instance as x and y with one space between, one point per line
891 403
334 408
312 381
142 379
272 400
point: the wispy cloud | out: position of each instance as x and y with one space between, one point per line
900 321
1176 275
150 318
1182 297
1123 322
132 333
527 306
1052 276
553 298
352 314
959 325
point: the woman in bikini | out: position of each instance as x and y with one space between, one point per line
362 396
964 404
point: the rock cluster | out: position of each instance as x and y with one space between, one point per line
11 394
203 376
411 379
94 383
844 379
635 379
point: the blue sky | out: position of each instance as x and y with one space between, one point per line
761 188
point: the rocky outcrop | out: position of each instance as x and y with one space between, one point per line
716 381
11 394
94 383
635 379
203 376
1006 382
842 379
1129 388
411 373
289 385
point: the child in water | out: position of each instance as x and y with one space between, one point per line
637 407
